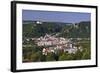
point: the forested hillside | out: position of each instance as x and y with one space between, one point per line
69 30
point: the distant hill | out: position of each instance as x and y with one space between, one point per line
69 30
30 21
78 30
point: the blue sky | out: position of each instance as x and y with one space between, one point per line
55 16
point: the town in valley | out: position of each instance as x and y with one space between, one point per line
54 41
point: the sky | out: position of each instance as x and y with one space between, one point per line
55 16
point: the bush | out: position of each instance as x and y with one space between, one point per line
35 57
50 57
65 56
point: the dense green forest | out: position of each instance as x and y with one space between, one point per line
66 30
